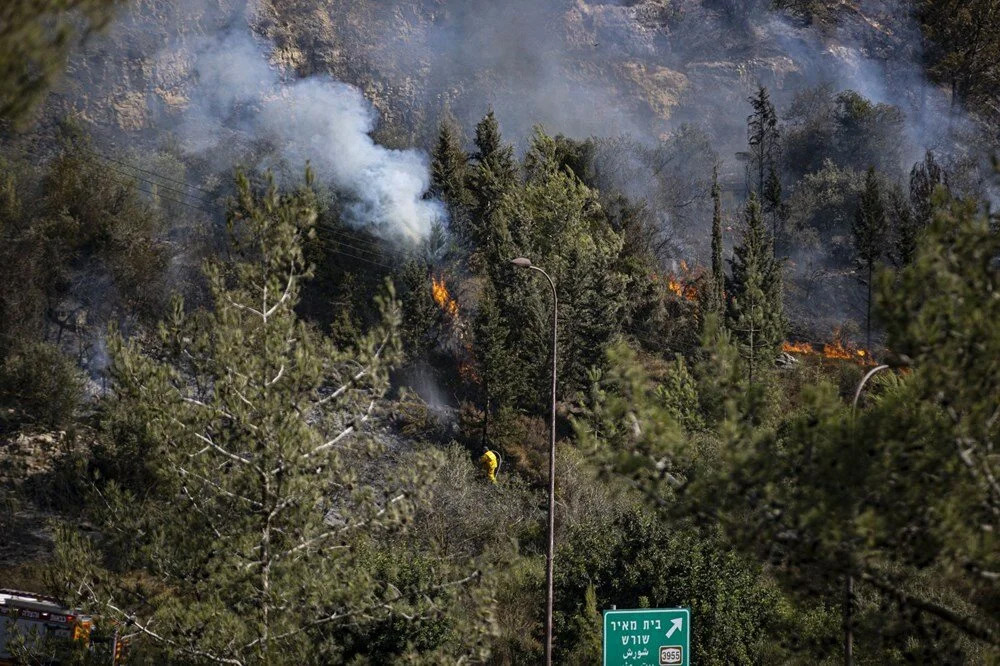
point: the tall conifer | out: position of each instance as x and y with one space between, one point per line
755 313
869 231
717 290
763 139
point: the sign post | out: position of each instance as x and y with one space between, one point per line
647 637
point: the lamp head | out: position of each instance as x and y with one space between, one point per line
521 262
896 360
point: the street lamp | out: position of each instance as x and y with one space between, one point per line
522 262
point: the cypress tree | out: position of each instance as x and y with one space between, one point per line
419 312
869 231
925 177
772 202
717 290
904 228
763 138
492 179
450 174
755 312
495 170
496 361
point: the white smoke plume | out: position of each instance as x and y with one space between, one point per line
240 99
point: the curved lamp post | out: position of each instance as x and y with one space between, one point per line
522 262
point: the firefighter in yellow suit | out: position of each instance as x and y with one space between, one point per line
489 463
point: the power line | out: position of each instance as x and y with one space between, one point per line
359 258
160 185
147 171
354 256
176 201
342 238
152 194
372 253
345 233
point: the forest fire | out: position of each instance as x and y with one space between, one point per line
457 332
837 349
443 299
686 291
682 287
797 347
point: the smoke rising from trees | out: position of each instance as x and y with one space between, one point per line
240 98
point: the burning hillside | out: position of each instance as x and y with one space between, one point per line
439 290
683 283
836 349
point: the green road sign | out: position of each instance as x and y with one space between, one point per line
647 637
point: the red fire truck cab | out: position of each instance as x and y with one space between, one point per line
32 620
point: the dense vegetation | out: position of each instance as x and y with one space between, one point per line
263 420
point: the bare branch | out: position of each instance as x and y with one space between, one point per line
144 628
210 442
361 373
281 372
245 307
284 296
199 510
219 488
326 535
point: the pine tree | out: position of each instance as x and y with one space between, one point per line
450 175
869 230
491 182
755 313
249 542
904 226
717 290
925 178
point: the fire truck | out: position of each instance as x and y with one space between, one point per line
33 620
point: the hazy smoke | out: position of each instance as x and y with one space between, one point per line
240 100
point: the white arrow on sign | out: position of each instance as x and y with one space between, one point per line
675 625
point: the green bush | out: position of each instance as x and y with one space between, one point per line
40 385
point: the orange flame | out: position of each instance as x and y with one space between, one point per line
837 349
687 291
797 348
674 285
443 299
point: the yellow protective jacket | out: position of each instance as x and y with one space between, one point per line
489 464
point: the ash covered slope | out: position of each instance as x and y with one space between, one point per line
581 68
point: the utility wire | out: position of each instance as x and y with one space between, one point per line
354 256
146 171
352 236
362 250
159 195
342 238
160 185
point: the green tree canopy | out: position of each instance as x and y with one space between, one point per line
254 540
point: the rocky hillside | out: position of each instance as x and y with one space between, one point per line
577 67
